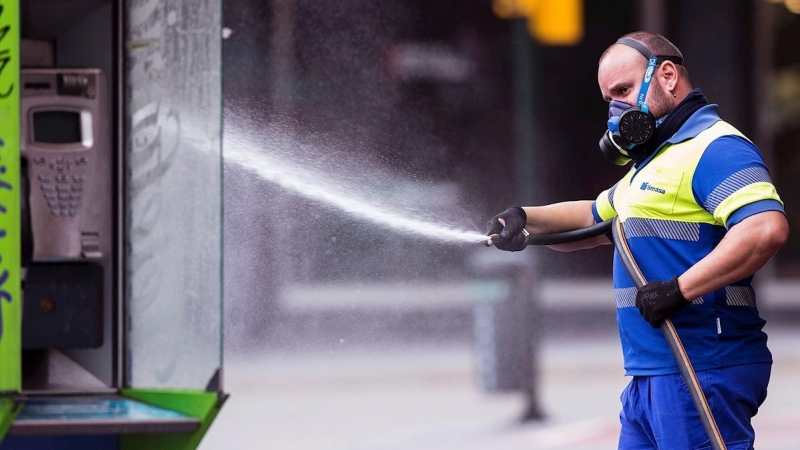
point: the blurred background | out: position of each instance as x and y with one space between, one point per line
344 334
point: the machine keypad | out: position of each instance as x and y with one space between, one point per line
62 190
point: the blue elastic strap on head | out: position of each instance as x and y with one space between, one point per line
652 62
648 76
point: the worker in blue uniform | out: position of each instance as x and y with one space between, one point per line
701 216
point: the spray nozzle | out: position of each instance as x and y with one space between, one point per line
492 238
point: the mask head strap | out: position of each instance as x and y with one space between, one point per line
652 62
636 45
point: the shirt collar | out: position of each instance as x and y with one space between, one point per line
694 125
698 122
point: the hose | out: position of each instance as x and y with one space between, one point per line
674 341
563 237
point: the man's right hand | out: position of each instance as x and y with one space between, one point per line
509 225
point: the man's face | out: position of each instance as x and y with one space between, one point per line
620 77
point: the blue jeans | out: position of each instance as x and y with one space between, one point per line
658 412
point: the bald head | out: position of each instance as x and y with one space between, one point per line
657 44
622 68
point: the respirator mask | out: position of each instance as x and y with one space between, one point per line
631 126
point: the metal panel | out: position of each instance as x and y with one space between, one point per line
174 193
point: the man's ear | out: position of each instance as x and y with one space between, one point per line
669 75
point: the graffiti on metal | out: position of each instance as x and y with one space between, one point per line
8 85
9 196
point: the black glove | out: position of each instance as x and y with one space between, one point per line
658 300
512 237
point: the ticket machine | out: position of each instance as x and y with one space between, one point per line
66 140
66 136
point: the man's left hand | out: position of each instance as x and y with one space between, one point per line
658 300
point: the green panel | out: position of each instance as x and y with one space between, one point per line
201 404
7 414
10 305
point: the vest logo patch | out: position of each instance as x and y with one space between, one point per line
649 187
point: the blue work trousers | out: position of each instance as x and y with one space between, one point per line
658 412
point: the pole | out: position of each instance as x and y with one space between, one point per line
524 75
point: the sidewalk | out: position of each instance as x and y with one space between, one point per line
426 398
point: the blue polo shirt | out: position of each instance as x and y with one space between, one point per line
675 208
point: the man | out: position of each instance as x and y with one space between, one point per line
701 216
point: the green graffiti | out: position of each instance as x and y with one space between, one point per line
10 314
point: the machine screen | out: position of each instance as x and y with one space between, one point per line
57 127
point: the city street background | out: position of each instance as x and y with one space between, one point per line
344 334
426 397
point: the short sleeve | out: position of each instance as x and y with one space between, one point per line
603 206
732 182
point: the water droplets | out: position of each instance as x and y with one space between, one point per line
317 174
